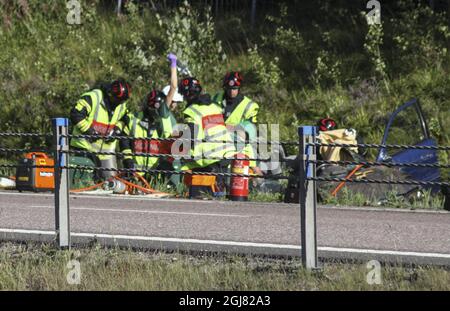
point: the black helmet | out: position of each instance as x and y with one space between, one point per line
119 91
155 99
232 80
326 124
152 102
190 87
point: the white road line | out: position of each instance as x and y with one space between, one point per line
383 252
233 243
383 209
148 212
114 197
139 198
26 231
227 203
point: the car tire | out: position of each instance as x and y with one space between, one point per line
446 192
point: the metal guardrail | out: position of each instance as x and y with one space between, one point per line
61 152
16 134
307 178
381 181
385 164
378 146
181 139
160 155
156 171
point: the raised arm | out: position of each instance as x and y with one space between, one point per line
173 79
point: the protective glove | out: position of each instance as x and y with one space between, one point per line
93 132
116 131
172 58
129 164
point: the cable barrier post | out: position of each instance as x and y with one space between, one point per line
307 196
61 143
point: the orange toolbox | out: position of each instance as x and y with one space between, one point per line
34 173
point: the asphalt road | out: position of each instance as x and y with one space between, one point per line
260 228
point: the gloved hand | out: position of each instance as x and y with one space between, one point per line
93 132
128 164
172 58
116 131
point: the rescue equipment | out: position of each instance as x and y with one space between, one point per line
239 185
200 184
7 183
116 186
35 173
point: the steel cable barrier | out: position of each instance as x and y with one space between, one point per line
306 176
310 165
61 166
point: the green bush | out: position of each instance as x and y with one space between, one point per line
193 40
302 65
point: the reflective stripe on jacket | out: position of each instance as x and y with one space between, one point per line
245 112
98 118
209 126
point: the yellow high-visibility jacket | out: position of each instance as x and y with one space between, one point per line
97 117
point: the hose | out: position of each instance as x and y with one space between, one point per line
143 180
88 188
147 190
342 184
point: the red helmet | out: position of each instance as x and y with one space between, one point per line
120 90
326 124
155 99
190 87
232 80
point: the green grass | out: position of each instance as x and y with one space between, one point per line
41 267
58 62
48 64
426 200
256 196
5 171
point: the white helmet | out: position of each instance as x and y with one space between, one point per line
176 98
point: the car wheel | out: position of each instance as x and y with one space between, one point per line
446 192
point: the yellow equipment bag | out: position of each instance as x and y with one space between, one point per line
340 136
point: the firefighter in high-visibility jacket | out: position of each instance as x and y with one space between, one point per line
156 121
207 127
97 113
240 114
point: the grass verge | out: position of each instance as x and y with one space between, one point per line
421 200
42 267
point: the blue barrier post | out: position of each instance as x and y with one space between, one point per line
307 197
61 143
